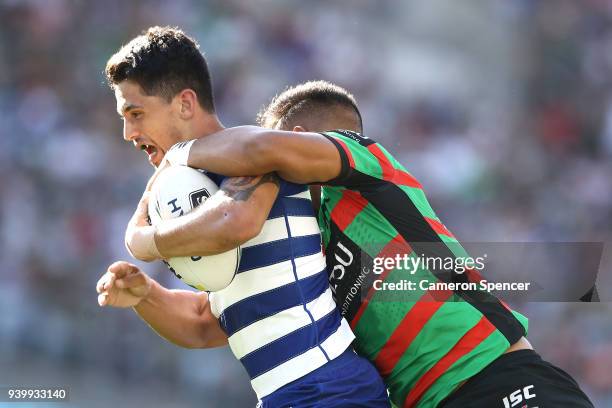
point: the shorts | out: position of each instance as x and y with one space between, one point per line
347 381
520 379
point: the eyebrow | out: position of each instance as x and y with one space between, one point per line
127 108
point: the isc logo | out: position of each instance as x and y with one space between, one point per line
519 396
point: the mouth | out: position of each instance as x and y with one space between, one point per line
154 154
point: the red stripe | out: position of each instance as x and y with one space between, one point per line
438 227
405 179
410 326
388 170
473 275
396 246
390 173
347 151
466 344
347 208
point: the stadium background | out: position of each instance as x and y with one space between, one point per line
502 109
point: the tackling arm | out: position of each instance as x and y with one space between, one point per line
299 157
229 218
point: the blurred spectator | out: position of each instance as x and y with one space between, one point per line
503 111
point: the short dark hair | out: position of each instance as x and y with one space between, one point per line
163 61
303 99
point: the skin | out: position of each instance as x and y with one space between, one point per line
300 156
336 117
150 120
231 216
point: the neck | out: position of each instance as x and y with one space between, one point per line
203 126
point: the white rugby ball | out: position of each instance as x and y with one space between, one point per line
177 191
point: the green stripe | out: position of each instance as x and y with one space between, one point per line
365 161
436 339
394 163
417 196
466 367
523 320
385 312
329 199
370 230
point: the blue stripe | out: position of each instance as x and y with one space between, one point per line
254 308
301 293
291 345
273 252
287 188
217 178
301 207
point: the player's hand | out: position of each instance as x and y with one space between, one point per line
139 235
123 285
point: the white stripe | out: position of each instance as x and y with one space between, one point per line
303 194
302 226
334 345
293 369
303 364
274 327
276 229
260 280
272 230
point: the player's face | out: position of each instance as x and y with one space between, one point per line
149 122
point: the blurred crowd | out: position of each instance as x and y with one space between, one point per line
503 111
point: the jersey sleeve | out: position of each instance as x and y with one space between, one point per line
365 162
355 157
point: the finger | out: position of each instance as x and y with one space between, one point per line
109 282
101 282
122 268
131 281
103 299
118 267
142 211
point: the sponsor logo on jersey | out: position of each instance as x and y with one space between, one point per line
518 396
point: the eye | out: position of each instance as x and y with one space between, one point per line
136 115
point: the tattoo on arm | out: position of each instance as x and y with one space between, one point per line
241 188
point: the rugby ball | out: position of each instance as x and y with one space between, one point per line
177 191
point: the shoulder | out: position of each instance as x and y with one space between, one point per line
349 135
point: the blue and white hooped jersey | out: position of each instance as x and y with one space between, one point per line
278 312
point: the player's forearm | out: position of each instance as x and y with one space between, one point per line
238 151
299 157
176 316
211 229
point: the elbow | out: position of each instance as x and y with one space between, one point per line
241 226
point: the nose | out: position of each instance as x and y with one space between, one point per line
129 131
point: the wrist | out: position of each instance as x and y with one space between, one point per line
140 243
150 295
178 155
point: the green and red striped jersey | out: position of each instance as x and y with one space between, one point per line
425 343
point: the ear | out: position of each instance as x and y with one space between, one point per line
299 129
187 101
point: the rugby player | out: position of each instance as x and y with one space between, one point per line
443 348
278 315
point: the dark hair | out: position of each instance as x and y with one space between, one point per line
163 61
303 98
